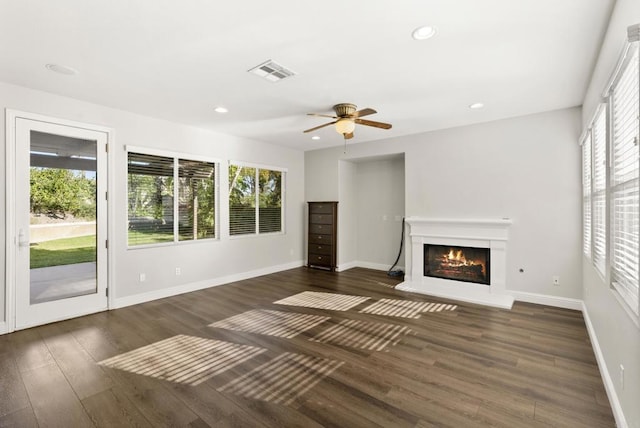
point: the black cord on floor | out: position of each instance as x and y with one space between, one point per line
398 272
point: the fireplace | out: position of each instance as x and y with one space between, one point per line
468 264
474 250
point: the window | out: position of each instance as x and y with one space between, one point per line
625 99
197 196
586 195
242 200
150 199
611 195
599 183
270 209
255 200
153 180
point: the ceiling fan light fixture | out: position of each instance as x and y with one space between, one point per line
345 126
476 106
423 33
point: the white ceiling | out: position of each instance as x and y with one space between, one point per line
178 60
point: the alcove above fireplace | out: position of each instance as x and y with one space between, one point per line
460 259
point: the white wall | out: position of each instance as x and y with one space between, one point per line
200 262
625 13
347 214
616 334
526 168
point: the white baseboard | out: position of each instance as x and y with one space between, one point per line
461 292
122 302
618 414
3 327
544 299
378 266
346 266
366 265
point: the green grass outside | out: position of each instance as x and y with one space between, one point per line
65 251
82 249
136 237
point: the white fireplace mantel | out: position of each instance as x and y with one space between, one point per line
483 233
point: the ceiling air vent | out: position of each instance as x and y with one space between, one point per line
272 71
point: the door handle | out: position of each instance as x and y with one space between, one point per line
22 242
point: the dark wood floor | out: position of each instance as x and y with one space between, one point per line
163 363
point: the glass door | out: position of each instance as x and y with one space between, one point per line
60 214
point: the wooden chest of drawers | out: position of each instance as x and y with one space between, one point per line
323 231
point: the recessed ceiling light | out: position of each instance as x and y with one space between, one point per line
476 106
62 69
221 110
424 32
315 137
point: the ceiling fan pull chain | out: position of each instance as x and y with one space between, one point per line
345 143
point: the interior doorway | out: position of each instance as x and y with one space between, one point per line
372 205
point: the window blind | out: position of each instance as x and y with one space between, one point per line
270 211
196 205
150 199
586 195
625 110
599 182
242 200
153 181
255 200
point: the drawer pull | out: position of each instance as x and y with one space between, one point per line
319 247
319 236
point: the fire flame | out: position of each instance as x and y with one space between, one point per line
457 259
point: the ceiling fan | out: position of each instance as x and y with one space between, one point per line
346 119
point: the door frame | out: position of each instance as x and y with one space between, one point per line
11 116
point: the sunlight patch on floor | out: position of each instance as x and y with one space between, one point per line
282 379
319 300
362 334
271 323
183 359
405 308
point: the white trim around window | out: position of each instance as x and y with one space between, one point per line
245 214
176 157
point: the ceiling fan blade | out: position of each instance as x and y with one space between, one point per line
318 127
348 136
322 115
364 112
373 123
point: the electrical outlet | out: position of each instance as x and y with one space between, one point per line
178 271
142 277
622 376
556 280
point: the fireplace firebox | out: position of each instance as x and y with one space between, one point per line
468 264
